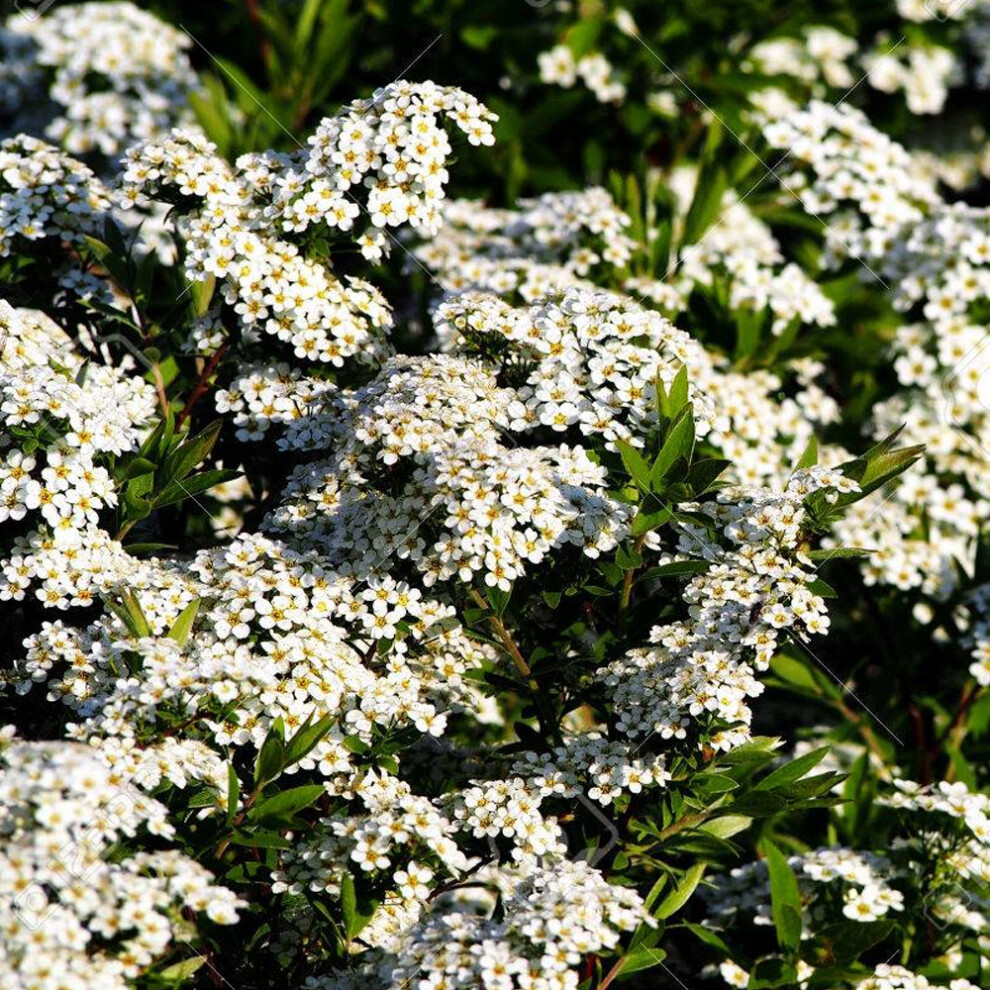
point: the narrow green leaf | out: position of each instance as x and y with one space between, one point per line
636 467
678 445
794 770
182 627
679 896
785 899
286 804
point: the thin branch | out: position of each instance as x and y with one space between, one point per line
201 386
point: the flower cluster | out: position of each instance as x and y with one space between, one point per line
550 921
862 184
70 913
416 472
382 158
698 673
280 637
744 893
559 67
45 193
110 73
61 420
596 359
543 246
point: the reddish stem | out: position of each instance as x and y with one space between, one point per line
201 386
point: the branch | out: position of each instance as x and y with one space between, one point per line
201 386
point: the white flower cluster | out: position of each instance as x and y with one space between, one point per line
544 246
394 826
273 395
862 185
863 877
593 765
509 808
956 801
942 271
978 635
698 673
71 914
394 146
45 193
110 73
417 472
559 67
742 249
888 977
59 419
384 158
923 72
542 252
596 358
279 637
270 283
553 918
820 55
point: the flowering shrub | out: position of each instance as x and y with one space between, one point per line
407 583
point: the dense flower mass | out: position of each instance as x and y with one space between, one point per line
95 77
72 914
524 541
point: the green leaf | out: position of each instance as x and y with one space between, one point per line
785 899
822 588
628 558
794 770
646 522
636 467
704 473
655 891
272 755
640 959
847 940
178 491
201 294
134 506
182 627
795 673
678 445
138 624
233 793
772 972
810 456
185 458
357 910
182 970
260 839
713 181
306 738
709 783
839 553
158 442
758 804
582 36
679 896
726 826
677 397
137 466
498 599
678 568
284 805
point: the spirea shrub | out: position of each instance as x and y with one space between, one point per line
410 585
